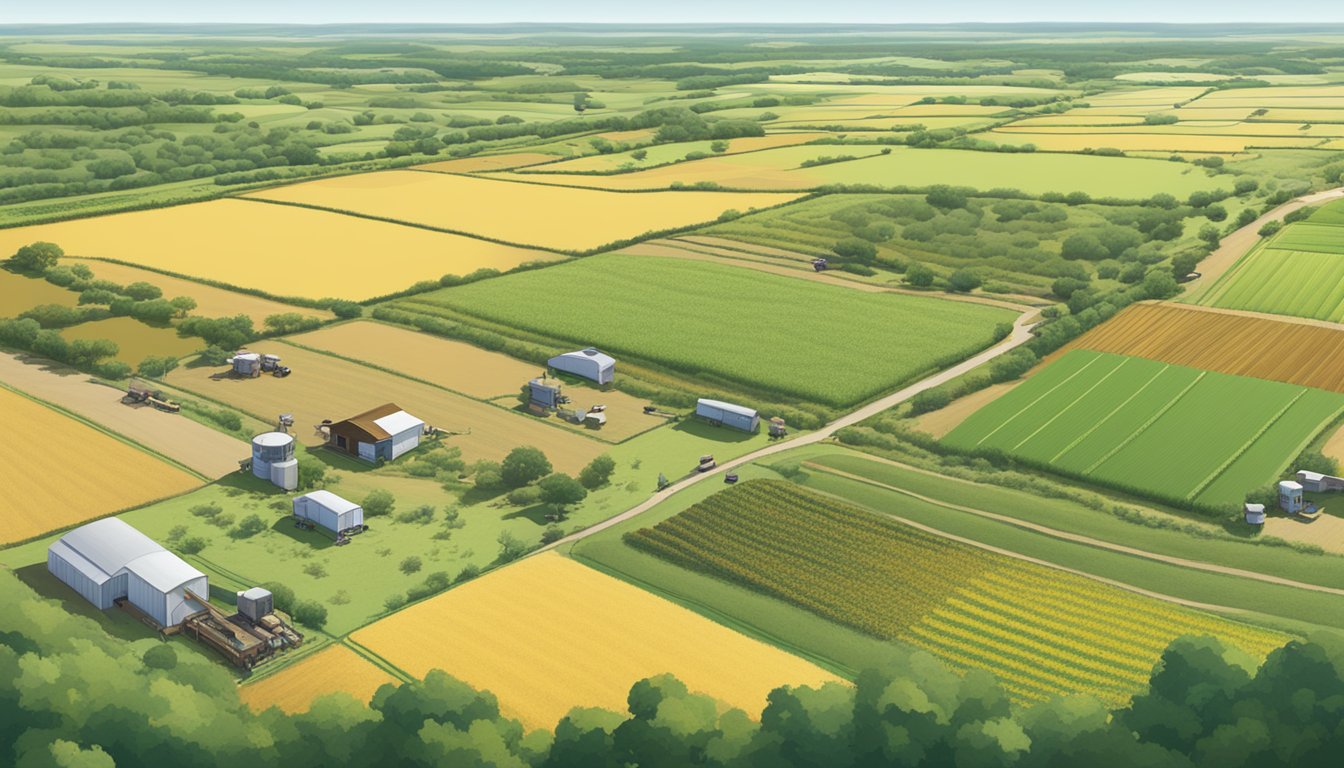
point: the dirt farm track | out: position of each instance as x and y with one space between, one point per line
194 445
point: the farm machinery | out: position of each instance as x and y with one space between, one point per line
253 635
152 397
271 364
821 265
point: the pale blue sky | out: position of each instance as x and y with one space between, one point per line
683 11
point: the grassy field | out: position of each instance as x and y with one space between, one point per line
472 371
92 474
528 214
280 249
210 301
742 322
1140 142
1043 632
780 169
334 669
326 387
1172 432
519 633
1295 353
135 340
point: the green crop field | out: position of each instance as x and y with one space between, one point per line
1033 626
1167 431
1311 236
830 344
1332 214
1286 282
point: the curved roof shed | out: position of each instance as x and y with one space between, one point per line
589 363
107 559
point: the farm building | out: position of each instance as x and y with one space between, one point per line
588 363
327 510
385 432
1316 482
273 459
545 393
1255 514
727 414
107 560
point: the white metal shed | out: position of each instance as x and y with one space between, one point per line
589 363
107 559
328 510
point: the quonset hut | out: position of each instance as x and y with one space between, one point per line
107 560
731 415
588 363
326 509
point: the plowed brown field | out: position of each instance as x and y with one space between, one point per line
1242 345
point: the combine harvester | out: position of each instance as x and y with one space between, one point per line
250 637
136 395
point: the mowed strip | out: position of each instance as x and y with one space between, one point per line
1241 345
57 471
529 214
548 634
210 301
326 387
1172 432
335 669
280 249
471 370
207 451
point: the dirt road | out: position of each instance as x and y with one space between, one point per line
1235 245
1020 334
193 445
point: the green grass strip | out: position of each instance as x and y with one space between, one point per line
1152 420
1033 403
1075 401
1108 416
1244 447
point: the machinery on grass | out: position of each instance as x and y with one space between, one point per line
253 635
152 397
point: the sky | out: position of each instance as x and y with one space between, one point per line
678 11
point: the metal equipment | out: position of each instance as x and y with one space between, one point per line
271 364
706 463
253 635
821 265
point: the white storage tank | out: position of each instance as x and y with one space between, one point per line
285 474
270 448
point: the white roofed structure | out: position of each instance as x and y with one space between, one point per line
107 560
589 363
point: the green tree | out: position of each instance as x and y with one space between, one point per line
561 490
598 471
855 249
311 471
161 656
1270 228
1084 245
523 465
510 547
963 281
945 197
919 275
156 367
142 291
310 613
1183 264
36 257
183 305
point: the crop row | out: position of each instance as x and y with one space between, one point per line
1146 426
1042 631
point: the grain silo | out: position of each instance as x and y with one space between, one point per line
273 459
108 560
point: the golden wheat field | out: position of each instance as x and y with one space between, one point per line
280 249
548 634
334 669
1296 353
135 340
488 162
79 474
210 301
530 214
326 387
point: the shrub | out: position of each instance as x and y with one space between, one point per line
378 502
311 472
467 574
855 249
249 526
227 419
525 496
963 280
562 490
919 275
929 400
281 595
192 545
1270 228
344 309
421 515
410 565
310 613
552 534
394 601
510 547
157 367
36 257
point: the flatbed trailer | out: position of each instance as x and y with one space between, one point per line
240 641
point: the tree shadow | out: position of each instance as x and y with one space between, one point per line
314 538
473 495
706 431
536 513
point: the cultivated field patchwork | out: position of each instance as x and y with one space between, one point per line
334 669
78 474
1043 632
1171 432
